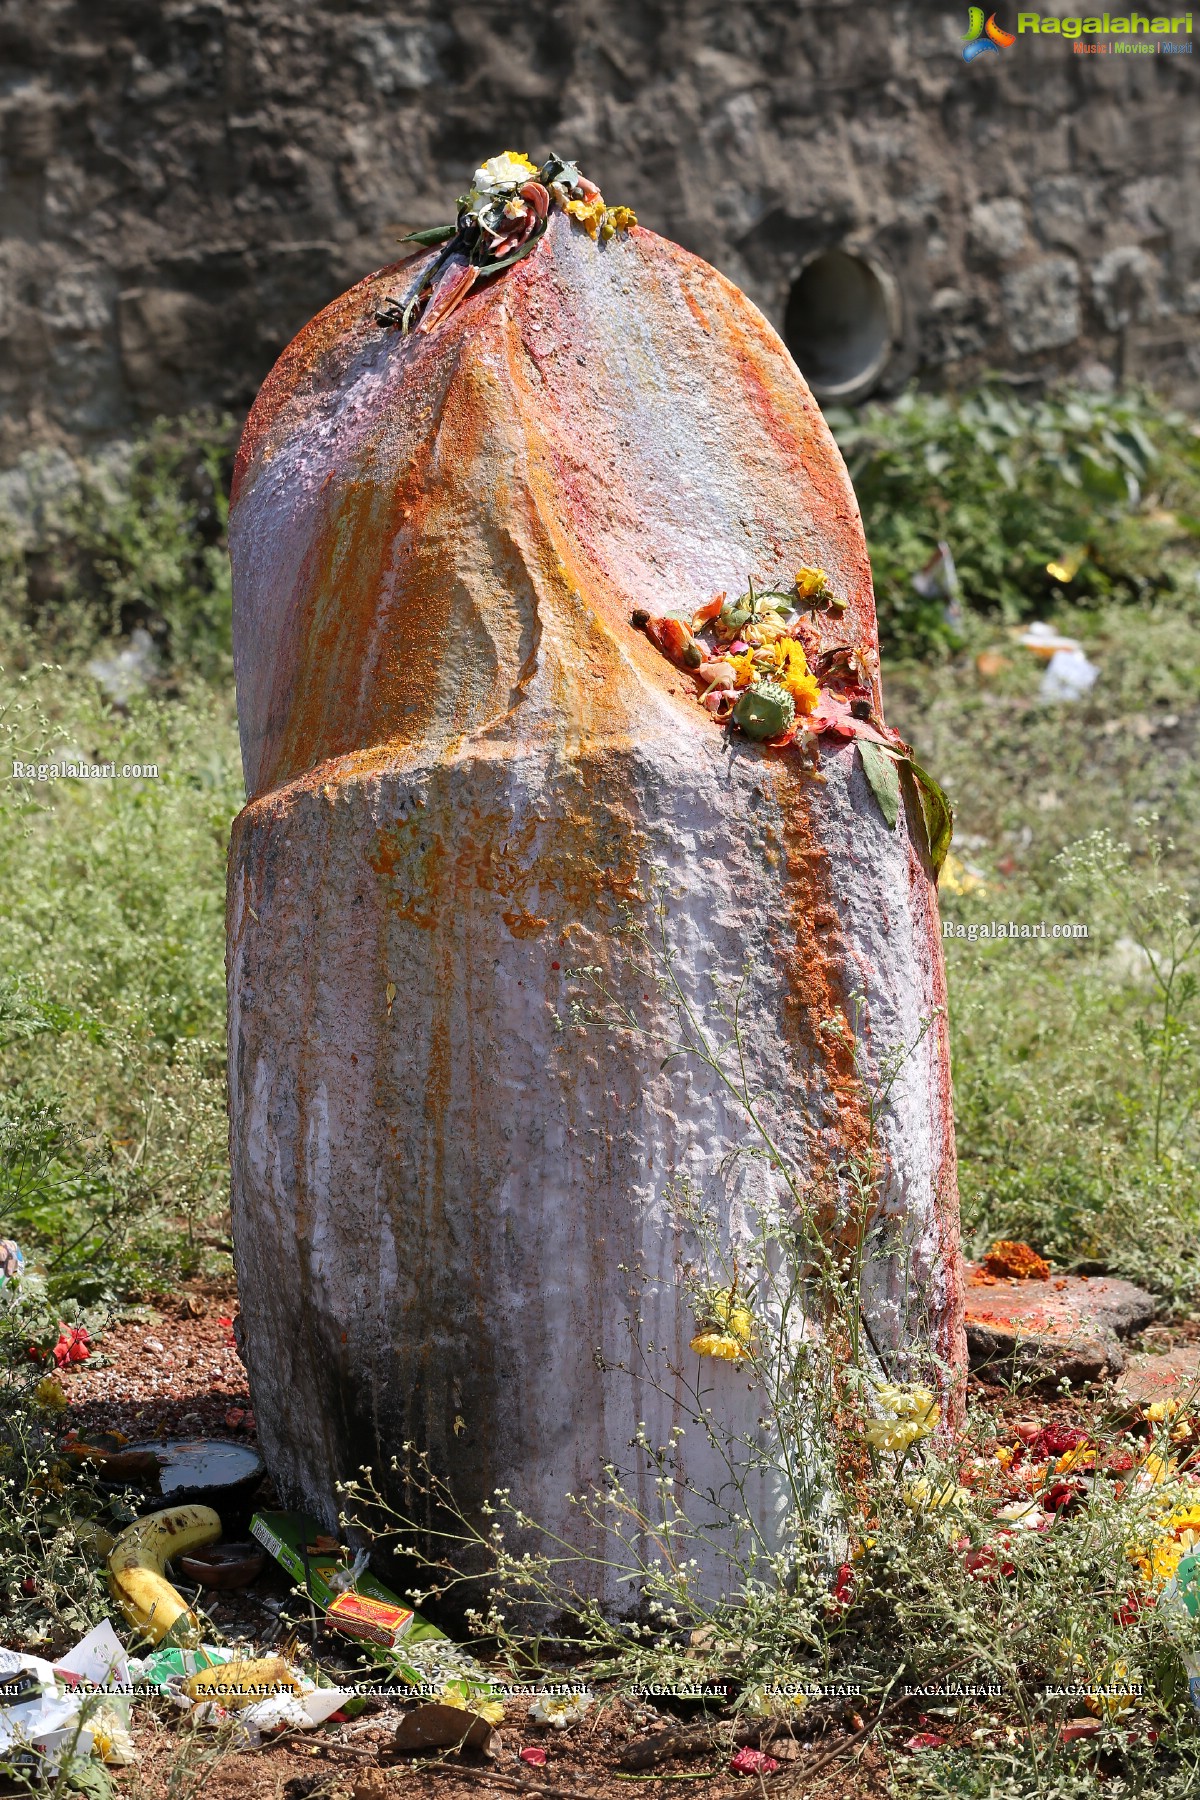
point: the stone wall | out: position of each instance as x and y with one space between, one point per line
184 182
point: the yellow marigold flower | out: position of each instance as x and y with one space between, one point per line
743 667
621 218
1074 1459
792 672
727 1329
1157 1564
1004 1455
811 584
717 1343
1154 1470
490 1710
1184 1518
1162 1410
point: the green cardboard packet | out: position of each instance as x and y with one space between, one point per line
313 1557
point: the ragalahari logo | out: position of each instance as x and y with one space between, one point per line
983 37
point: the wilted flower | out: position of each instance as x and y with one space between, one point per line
110 1737
909 1413
790 669
492 1711
811 584
923 1495
589 213
49 1395
727 1328
560 1710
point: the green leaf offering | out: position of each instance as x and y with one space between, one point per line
935 816
433 234
879 767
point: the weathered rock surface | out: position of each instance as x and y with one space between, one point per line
1172 1375
463 764
1071 1325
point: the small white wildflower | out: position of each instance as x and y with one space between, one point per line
560 1710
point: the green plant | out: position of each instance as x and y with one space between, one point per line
1077 498
135 537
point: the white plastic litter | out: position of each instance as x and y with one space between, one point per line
1044 640
1068 676
98 1659
40 1725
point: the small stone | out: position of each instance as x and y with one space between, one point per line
1044 1331
1148 1379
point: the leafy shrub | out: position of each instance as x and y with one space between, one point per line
1075 498
132 538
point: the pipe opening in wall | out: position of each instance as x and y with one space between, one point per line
842 315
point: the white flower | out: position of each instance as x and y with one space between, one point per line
560 1710
510 170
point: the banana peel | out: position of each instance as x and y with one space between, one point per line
244 1681
137 1570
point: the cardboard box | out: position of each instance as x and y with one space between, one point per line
361 1616
312 1557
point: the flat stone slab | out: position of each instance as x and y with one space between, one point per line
1175 1375
1069 1325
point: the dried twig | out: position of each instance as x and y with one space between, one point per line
515 1783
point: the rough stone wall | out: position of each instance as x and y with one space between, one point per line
184 183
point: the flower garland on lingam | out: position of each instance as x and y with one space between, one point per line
762 667
500 219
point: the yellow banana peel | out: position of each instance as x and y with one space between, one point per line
137 1565
242 1682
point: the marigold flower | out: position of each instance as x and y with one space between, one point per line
727 1328
792 672
620 218
811 584
1159 1411
743 667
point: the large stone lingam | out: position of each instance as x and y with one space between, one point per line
471 730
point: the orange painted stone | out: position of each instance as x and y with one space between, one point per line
1067 1325
464 768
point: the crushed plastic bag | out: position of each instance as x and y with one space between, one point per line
1069 675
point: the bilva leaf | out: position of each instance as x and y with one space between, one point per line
937 816
880 769
433 234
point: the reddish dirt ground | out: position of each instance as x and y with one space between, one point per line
177 1370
